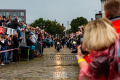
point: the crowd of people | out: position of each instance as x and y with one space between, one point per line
34 37
97 45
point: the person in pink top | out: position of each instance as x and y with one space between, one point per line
101 40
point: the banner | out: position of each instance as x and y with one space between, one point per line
1 30
11 31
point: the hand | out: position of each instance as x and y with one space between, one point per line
79 53
9 43
17 49
21 37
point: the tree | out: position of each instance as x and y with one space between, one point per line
37 22
78 22
68 31
52 27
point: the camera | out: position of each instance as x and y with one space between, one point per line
82 49
4 16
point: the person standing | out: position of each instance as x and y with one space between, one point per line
33 38
112 12
15 23
10 47
63 41
15 45
56 42
30 44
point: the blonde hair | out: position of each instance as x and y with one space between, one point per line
98 35
107 21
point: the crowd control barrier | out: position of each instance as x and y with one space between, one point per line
25 52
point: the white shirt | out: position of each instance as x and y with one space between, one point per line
33 38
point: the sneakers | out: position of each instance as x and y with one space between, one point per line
2 64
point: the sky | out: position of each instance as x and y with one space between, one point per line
59 10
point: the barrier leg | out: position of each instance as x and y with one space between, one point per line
41 50
28 54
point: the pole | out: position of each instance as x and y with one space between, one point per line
67 24
95 11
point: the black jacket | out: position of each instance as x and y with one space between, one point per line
3 44
63 40
6 42
29 42
11 46
15 42
14 24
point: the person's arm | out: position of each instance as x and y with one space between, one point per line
80 58
75 39
3 44
18 24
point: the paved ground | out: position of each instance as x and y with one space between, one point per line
53 65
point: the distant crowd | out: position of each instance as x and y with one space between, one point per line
7 41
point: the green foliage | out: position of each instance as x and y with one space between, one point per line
68 31
78 22
52 27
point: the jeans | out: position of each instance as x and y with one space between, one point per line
9 55
5 57
41 50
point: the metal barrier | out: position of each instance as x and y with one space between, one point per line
11 31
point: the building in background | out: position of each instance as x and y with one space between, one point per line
102 7
14 12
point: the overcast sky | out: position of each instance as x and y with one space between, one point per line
61 10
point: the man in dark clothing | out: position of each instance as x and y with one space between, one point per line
30 43
57 40
15 45
63 41
15 23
